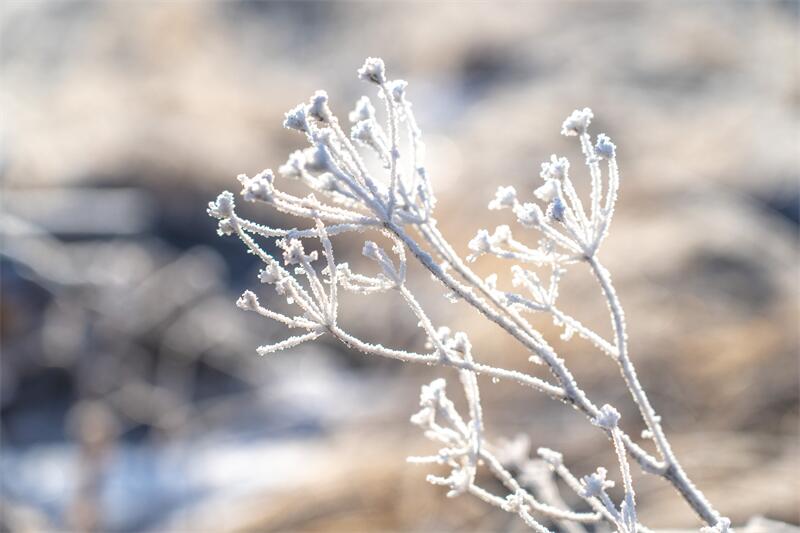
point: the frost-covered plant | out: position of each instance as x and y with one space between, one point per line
346 198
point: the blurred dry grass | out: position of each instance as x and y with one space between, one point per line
118 330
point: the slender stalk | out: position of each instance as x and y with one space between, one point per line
433 359
673 471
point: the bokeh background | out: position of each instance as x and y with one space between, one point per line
132 397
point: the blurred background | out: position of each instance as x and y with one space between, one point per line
132 396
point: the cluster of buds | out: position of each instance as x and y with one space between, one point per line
346 197
440 421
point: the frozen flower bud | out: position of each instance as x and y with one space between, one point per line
259 187
222 207
459 482
549 191
280 285
318 107
270 274
296 119
317 158
371 250
430 394
595 484
225 227
247 301
327 182
480 244
364 132
397 89
502 234
577 123
363 110
343 269
604 147
373 70
293 252
460 343
557 209
556 169
551 457
504 197
293 168
607 418
528 214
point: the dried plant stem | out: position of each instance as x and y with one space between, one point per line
671 469
401 207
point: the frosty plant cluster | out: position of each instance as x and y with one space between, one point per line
346 197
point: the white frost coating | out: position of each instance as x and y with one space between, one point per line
397 89
318 107
577 123
607 418
259 187
364 110
604 147
503 198
296 119
373 70
548 192
556 169
345 197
